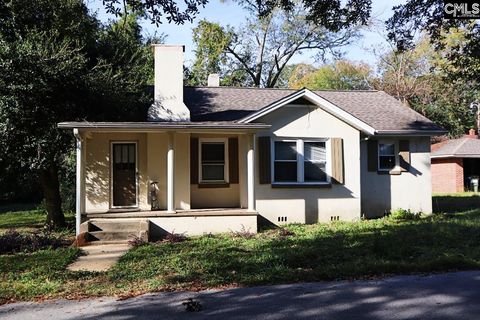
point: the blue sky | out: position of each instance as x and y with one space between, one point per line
228 12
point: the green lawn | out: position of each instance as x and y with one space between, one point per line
449 240
26 217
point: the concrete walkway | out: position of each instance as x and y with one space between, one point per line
99 257
444 296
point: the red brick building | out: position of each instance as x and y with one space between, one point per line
454 162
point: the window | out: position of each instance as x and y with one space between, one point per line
386 156
315 160
285 161
212 161
300 161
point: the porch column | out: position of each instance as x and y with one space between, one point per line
251 172
79 181
170 173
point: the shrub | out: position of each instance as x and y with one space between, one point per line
243 233
285 233
174 237
12 241
137 242
404 214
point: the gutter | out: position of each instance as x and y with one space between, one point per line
163 125
410 132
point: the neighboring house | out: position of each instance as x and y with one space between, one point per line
220 159
454 162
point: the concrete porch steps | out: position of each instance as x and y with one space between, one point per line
109 231
111 235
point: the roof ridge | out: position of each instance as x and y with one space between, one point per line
460 145
250 88
285 89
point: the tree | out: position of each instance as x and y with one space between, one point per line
428 16
210 41
261 49
332 14
419 78
63 67
342 75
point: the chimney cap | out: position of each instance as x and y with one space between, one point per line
162 45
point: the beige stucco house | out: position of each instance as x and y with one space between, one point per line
220 159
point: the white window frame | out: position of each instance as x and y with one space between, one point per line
112 143
395 154
300 142
225 167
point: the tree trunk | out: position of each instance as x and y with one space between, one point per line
51 193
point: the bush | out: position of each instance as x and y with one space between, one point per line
137 242
405 214
243 233
12 241
174 237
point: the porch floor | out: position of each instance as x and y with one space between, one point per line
179 213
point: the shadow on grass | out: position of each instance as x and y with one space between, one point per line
319 252
12 207
455 203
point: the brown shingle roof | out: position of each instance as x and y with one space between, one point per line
465 147
376 108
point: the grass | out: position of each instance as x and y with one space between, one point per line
26 217
448 240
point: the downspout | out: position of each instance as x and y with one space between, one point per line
78 181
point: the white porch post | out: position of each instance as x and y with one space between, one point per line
79 181
251 172
170 173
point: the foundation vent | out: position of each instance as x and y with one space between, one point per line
282 219
334 218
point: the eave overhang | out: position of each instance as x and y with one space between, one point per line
164 126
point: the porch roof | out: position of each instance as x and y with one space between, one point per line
166 126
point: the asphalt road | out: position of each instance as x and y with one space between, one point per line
443 296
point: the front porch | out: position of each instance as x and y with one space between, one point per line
192 180
210 212
154 225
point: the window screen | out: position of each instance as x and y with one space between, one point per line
315 158
285 161
213 161
386 156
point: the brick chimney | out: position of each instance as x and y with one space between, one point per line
472 134
168 94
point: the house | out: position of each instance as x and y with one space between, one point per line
455 162
220 159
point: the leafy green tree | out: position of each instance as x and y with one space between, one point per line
342 75
419 77
416 16
210 41
63 67
332 14
261 49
